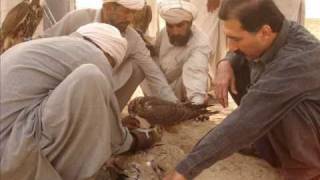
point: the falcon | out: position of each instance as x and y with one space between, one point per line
20 23
162 112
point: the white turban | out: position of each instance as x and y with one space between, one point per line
130 4
107 37
176 11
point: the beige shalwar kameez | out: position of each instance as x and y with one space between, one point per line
186 68
59 114
137 63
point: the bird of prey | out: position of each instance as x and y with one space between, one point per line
20 23
158 111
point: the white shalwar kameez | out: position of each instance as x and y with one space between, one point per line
186 68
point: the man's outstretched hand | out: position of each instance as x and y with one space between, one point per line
224 79
212 5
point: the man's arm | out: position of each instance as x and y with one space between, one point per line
195 74
224 78
69 23
261 109
153 74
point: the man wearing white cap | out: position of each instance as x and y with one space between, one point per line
59 115
183 51
137 63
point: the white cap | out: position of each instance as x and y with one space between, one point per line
176 11
108 38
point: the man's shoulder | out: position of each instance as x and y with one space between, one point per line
135 41
199 37
300 42
132 33
299 38
83 13
295 64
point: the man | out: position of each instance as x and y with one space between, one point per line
209 22
59 114
280 112
224 80
137 63
183 51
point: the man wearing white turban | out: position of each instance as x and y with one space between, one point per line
183 52
137 63
59 115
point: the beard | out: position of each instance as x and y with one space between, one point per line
180 40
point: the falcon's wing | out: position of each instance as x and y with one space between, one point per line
14 18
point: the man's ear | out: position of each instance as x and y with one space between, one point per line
266 32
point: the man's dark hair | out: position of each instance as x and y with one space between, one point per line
252 14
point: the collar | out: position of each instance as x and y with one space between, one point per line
280 40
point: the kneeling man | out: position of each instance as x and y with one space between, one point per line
183 52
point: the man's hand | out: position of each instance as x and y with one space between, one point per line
174 176
212 5
130 122
224 79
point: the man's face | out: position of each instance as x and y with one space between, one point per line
119 16
179 34
252 45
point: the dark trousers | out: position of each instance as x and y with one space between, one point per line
273 147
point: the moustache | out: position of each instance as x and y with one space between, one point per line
239 52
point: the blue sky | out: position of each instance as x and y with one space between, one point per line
312 6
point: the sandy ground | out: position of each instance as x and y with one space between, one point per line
179 140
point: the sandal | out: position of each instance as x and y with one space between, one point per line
144 138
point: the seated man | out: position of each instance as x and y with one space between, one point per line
183 52
59 115
279 112
137 64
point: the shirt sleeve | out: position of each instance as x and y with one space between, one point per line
195 74
154 76
266 103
